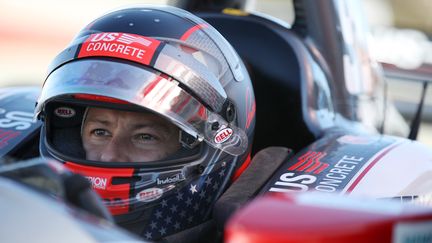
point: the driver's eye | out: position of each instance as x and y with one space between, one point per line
145 137
100 132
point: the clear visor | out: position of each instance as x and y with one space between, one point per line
148 89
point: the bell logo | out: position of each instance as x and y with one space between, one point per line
223 135
64 112
97 182
149 194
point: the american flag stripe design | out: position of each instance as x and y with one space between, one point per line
186 208
129 39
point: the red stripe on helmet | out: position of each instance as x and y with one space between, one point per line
186 35
100 98
251 108
242 168
116 197
202 112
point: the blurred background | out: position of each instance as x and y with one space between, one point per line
33 32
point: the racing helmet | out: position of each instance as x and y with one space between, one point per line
167 62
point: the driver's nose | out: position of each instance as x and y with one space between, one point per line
115 151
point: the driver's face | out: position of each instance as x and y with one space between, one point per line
123 136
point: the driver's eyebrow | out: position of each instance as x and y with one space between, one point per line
152 125
97 120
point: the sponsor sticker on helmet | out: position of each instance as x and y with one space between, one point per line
121 45
170 179
64 112
223 135
149 194
98 182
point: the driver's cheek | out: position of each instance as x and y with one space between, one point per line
100 152
146 153
107 149
92 150
124 151
116 150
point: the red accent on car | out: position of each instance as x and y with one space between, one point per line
116 197
120 45
100 98
319 218
310 162
6 136
242 168
186 35
367 169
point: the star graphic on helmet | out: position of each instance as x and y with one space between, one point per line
188 202
153 225
193 189
180 196
162 231
208 181
202 194
173 208
164 203
177 225
158 214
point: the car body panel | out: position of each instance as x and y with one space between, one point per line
360 165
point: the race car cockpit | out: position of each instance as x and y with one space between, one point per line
276 61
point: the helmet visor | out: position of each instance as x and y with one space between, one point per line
148 89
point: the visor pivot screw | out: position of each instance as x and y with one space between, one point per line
215 126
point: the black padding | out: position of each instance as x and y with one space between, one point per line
68 141
264 164
64 133
59 121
